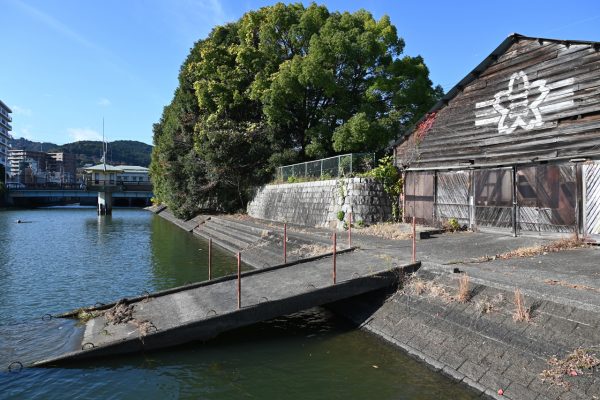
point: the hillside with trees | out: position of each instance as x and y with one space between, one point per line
283 84
120 152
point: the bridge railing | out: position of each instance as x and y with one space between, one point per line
89 184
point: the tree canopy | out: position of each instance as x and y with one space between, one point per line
283 84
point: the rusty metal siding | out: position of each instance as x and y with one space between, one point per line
547 198
538 100
591 177
493 197
452 196
419 197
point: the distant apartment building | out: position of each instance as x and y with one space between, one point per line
64 167
5 128
37 167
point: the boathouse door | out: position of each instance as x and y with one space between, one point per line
493 197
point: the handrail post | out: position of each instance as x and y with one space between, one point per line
239 281
209 259
334 258
285 243
414 240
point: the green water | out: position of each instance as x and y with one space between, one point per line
63 258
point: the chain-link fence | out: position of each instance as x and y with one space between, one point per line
332 167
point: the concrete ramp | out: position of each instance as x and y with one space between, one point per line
202 311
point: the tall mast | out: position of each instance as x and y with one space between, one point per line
103 146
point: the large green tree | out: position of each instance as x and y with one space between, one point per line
282 84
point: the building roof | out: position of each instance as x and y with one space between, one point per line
3 105
532 100
133 168
103 168
489 60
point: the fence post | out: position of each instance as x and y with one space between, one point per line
285 243
414 240
334 257
209 259
239 281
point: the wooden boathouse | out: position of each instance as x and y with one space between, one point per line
514 146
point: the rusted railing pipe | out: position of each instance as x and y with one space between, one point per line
285 243
239 280
414 239
209 259
334 257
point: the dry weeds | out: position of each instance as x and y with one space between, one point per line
521 313
311 250
120 313
552 247
386 230
464 291
419 287
554 282
579 362
487 305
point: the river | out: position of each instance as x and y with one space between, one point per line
61 258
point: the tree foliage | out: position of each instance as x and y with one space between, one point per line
283 84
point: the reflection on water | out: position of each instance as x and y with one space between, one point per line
68 257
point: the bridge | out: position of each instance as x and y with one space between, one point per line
20 193
203 310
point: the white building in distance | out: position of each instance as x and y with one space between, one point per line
5 128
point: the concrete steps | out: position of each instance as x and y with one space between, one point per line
241 226
233 231
224 240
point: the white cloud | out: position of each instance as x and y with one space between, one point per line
77 134
26 112
104 102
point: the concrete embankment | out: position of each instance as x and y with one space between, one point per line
478 342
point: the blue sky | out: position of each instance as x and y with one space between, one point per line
67 64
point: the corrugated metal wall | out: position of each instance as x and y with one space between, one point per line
546 198
591 177
493 198
418 192
452 196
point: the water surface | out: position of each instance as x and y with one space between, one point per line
63 258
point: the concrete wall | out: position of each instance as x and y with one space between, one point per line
317 203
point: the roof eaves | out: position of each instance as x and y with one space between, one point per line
474 74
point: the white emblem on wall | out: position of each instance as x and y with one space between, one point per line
523 104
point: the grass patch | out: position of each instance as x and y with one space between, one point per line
84 316
579 362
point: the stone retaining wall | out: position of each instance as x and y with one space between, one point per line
318 203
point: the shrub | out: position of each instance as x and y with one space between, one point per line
340 215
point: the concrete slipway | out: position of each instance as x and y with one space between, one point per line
202 311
